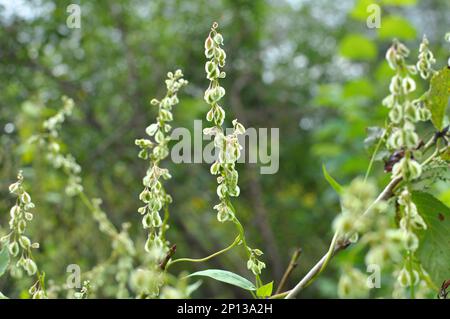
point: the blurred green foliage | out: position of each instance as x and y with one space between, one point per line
311 68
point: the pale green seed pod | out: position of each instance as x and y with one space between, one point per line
411 241
30 267
257 252
402 50
396 114
396 140
25 242
238 127
209 115
423 114
156 219
147 220
13 248
25 198
222 191
21 226
410 138
209 43
215 167
15 211
32 290
389 101
404 278
14 188
395 85
159 137
391 58
151 129
411 112
408 85
145 196
414 168
218 39
40 295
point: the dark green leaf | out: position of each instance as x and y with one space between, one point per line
437 96
434 252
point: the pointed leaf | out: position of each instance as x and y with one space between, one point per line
336 186
265 291
227 277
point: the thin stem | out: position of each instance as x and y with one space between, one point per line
375 152
291 266
412 291
236 242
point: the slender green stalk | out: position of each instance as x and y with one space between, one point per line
199 260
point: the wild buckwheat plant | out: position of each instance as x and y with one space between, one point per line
389 223
228 146
19 245
154 195
123 250
394 229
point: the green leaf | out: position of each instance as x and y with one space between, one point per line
358 47
434 252
4 260
359 11
396 27
227 277
265 291
437 96
2 296
336 186
399 2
